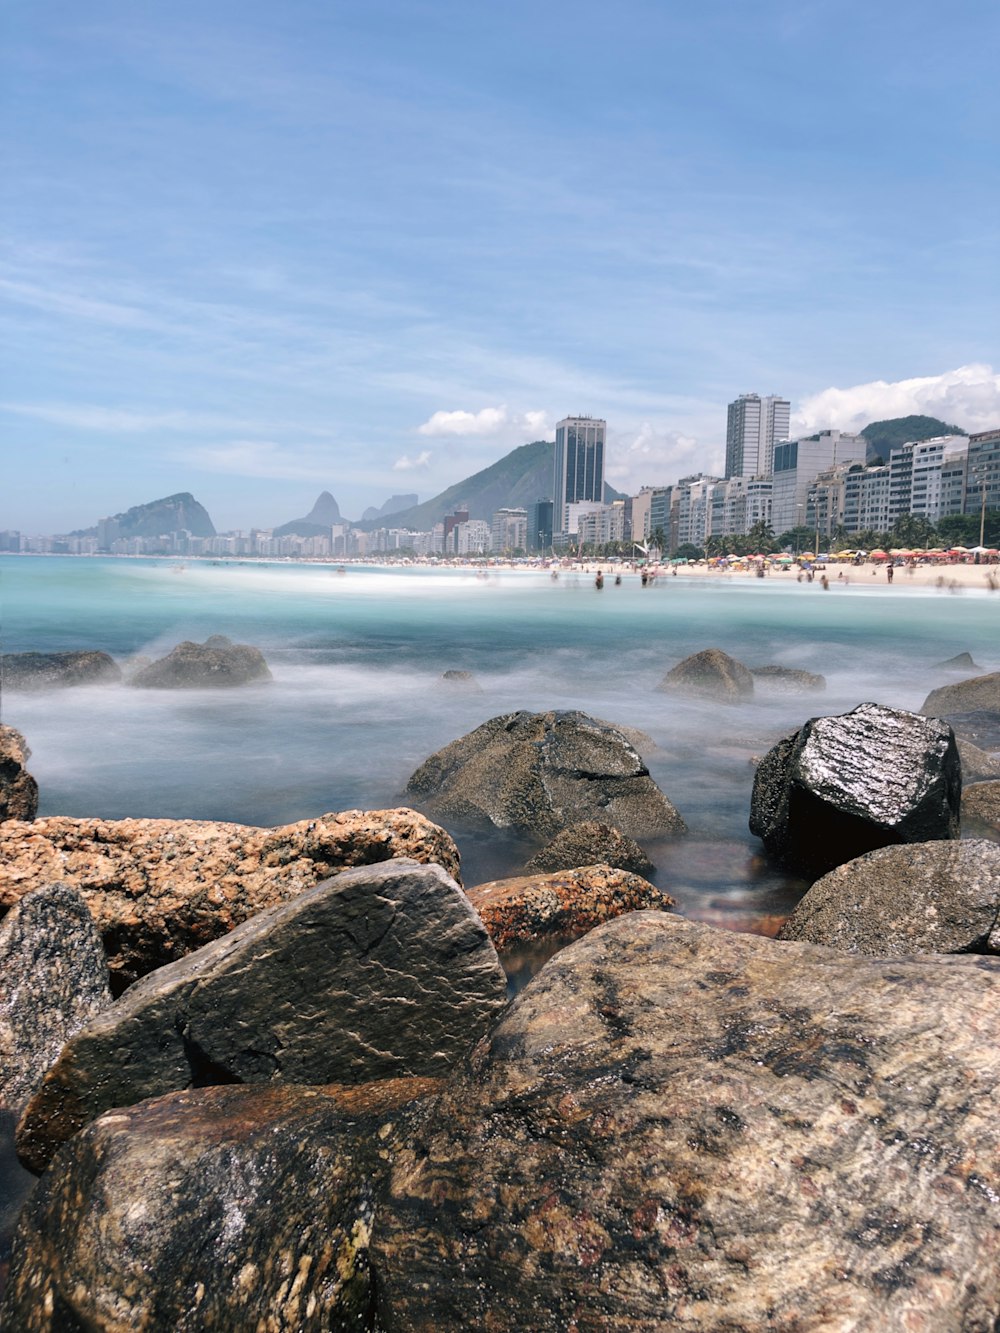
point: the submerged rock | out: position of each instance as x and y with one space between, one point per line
462 680
216 663
538 773
591 843
53 980
927 897
960 662
788 680
159 888
18 789
842 786
977 765
381 972
711 674
570 902
675 1126
979 693
226 1208
48 671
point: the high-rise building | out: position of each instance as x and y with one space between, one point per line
753 427
579 464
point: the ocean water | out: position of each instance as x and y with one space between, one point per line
357 701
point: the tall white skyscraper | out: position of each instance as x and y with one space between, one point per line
753 427
579 464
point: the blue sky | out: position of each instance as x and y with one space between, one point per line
256 250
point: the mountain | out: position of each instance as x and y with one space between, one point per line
393 505
515 481
324 513
171 514
884 436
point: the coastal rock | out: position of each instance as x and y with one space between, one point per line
18 789
979 726
381 972
926 897
979 693
462 680
48 671
216 663
159 888
675 1126
960 662
591 843
711 674
842 786
538 773
977 765
570 902
53 980
225 1208
788 680
981 810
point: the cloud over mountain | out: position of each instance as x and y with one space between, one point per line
969 396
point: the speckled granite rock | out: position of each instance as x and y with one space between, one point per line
927 897
710 674
977 765
381 972
842 786
540 772
568 902
18 789
788 680
981 809
216 663
53 980
679 1127
218 1208
965 696
587 844
48 671
159 888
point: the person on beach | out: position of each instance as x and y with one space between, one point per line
888 573
599 581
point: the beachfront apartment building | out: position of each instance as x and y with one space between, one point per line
509 530
797 464
754 425
578 473
983 477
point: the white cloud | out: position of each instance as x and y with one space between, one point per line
407 464
651 456
259 458
485 422
968 397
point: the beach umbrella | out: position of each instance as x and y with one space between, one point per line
879 555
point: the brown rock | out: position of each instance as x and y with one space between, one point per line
18 789
531 907
710 674
977 765
981 810
216 663
588 844
48 671
159 888
978 693
788 680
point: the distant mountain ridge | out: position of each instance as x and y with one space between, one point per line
317 523
394 505
174 513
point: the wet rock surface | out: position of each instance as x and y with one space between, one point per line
977 765
981 810
53 980
567 902
227 1208
965 696
216 663
710 674
675 1126
382 972
538 773
979 726
842 786
49 671
462 680
787 680
591 843
159 888
930 897
18 789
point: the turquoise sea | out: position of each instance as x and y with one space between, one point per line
357 700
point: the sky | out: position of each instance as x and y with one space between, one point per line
256 250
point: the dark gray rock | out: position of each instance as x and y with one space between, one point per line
710 674
960 662
788 680
591 843
926 897
979 726
53 980
381 972
47 671
216 663
18 789
462 680
538 773
978 694
842 786
981 810
218 1208
681 1127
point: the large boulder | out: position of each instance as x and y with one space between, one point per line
710 674
47 671
681 1127
591 843
18 789
960 662
926 897
381 972
977 765
788 680
538 773
842 786
159 888
980 726
53 980
527 908
979 693
981 810
216 1208
216 663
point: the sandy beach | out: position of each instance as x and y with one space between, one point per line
947 577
